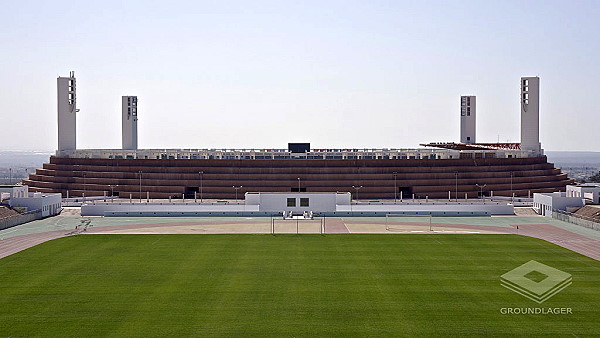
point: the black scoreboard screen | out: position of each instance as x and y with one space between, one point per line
298 147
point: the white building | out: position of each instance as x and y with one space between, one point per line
545 203
67 109
589 192
297 203
129 122
48 204
14 190
20 197
468 110
530 114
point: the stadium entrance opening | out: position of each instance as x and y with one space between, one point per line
296 189
405 191
189 192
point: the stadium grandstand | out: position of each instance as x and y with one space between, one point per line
438 170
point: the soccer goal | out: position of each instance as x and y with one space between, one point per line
297 226
408 223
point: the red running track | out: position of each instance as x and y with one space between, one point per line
567 239
15 244
564 238
335 226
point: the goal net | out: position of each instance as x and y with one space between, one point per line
401 222
297 226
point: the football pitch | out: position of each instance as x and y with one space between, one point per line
289 285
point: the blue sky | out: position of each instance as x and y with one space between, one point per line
216 74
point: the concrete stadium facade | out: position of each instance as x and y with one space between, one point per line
372 179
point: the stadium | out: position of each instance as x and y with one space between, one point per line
391 275
438 170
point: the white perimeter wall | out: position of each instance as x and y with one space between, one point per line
273 204
492 208
98 209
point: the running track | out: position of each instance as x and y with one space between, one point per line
569 240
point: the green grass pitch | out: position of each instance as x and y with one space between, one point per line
287 285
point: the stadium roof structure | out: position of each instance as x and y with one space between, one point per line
473 146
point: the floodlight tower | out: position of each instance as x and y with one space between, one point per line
129 125
468 109
530 115
67 109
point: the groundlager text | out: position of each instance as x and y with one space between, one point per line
536 311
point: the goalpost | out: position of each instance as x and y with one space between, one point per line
400 222
297 225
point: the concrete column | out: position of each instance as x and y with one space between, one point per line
67 109
468 109
530 114
129 118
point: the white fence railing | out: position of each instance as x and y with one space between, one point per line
576 219
17 220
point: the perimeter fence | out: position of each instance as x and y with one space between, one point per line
583 221
20 219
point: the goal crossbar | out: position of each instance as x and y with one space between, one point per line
297 225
